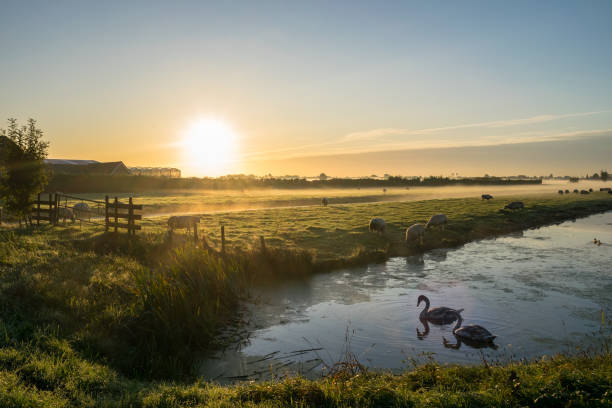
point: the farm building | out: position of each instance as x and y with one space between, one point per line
156 171
89 167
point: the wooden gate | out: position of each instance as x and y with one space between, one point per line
112 215
45 210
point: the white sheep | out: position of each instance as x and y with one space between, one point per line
377 225
416 231
183 221
64 213
437 220
81 209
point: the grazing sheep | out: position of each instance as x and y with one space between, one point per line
584 192
183 221
324 202
567 191
63 213
560 191
415 231
436 220
80 210
486 197
377 225
515 205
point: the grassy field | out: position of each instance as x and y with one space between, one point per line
200 201
340 232
88 318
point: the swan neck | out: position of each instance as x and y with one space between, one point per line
459 321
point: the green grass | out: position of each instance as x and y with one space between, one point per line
93 319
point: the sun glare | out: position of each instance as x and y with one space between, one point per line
210 146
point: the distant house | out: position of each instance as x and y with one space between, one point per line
87 167
156 171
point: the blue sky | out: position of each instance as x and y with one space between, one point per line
305 79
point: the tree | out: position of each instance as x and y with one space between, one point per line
595 176
23 173
604 175
322 176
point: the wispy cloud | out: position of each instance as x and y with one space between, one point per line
378 133
377 140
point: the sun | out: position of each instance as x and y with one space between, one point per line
210 146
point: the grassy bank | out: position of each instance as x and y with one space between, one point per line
48 372
89 318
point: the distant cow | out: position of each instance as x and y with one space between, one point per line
515 205
377 225
183 221
486 197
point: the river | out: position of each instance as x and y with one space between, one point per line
542 291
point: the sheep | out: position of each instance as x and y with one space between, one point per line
377 225
415 231
63 213
515 205
486 197
80 209
560 191
324 202
183 221
436 220
584 192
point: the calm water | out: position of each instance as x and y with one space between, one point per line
541 292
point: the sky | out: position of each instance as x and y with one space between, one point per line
346 88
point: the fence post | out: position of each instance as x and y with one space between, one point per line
56 208
223 238
195 232
38 210
116 213
0 215
263 243
51 213
131 217
106 213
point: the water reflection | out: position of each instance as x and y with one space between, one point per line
469 343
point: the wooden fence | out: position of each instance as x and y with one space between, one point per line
45 210
112 215
116 215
